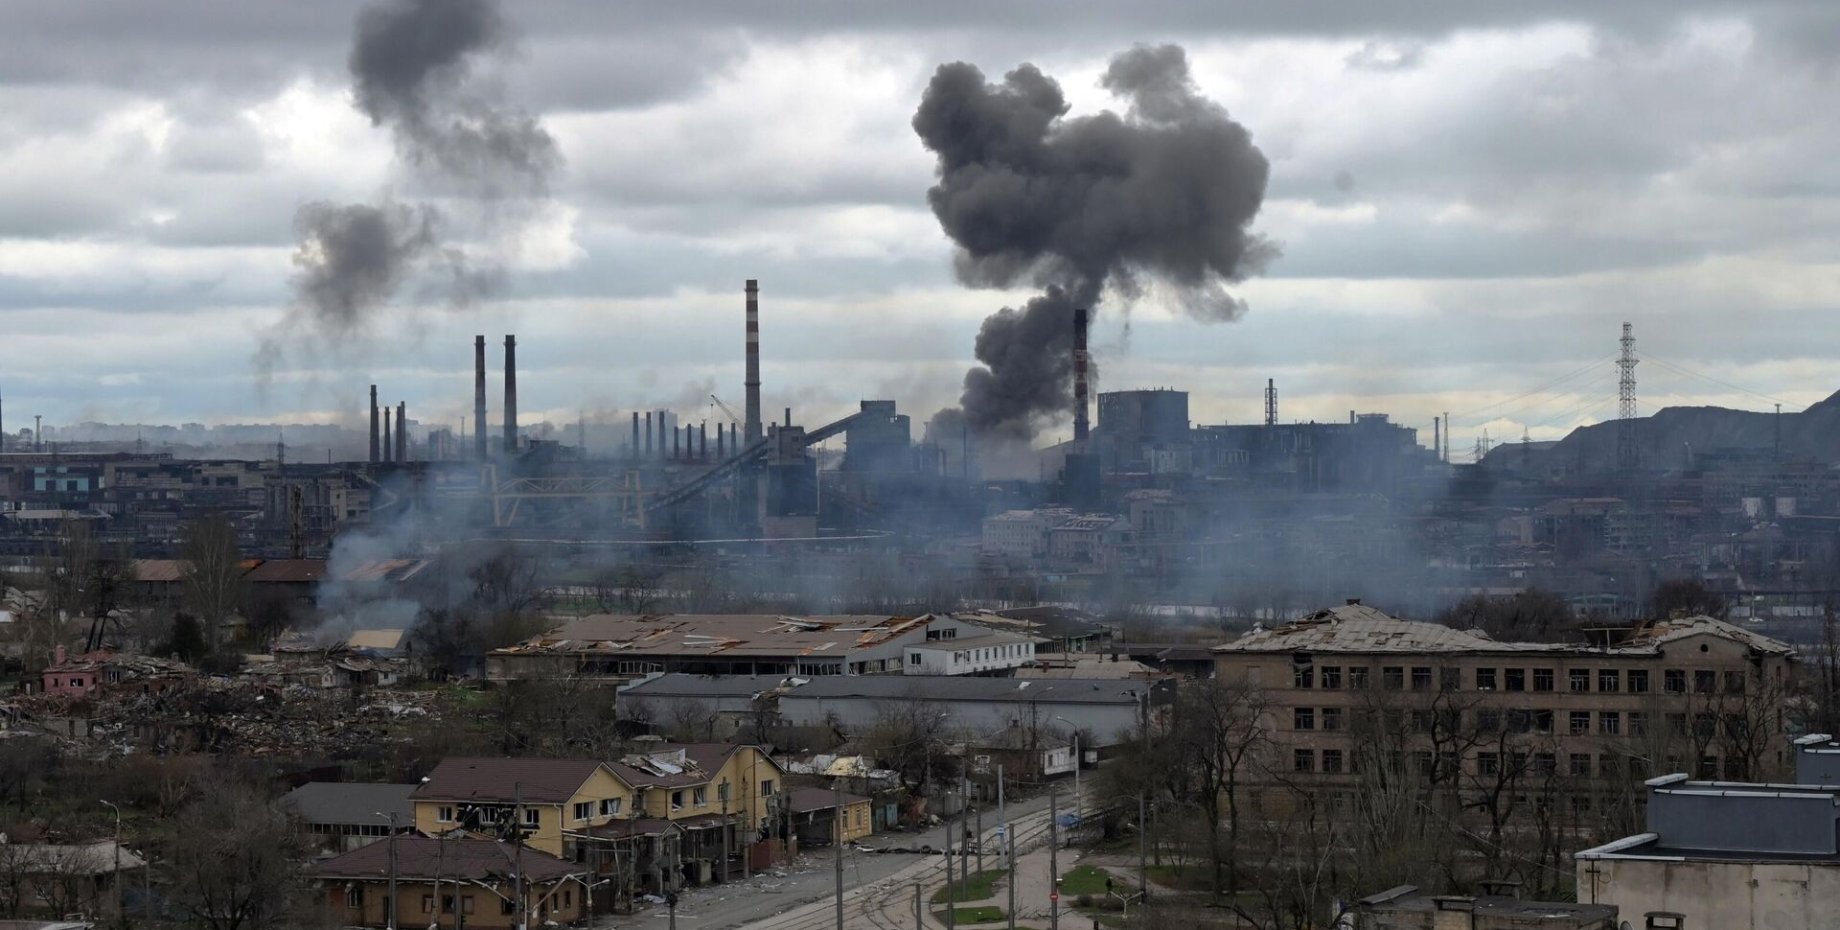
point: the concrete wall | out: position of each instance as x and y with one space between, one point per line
1717 895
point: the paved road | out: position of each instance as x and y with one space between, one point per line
878 887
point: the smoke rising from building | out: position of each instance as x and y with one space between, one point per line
1084 207
412 65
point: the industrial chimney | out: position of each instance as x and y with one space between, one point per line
1080 423
479 397
402 431
753 361
511 426
374 435
386 434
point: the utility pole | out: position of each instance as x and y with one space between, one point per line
1626 456
837 843
1009 847
517 852
951 910
390 918
1054 861
1143 866
115 878
917 908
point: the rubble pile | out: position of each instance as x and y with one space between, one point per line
244 715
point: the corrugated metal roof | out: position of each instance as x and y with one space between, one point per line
287 571
325 802
536 781
710 634
1356 628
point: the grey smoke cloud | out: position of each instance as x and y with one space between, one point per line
411 65
1163 194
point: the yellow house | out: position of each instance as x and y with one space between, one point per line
813 816
551 796
693 782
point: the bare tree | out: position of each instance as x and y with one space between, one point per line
910 739
232 861
213 574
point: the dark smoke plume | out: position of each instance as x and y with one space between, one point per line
1162 194
411 65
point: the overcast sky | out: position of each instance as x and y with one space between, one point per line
1470 198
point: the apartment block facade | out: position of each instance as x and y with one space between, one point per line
1351 689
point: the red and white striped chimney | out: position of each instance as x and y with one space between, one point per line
753 361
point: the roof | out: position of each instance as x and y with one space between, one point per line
806 800
351 802
994 638
384 570
679 684
962 688
375 639
534 781
632 826
718 634
1407 898
287 571
672 765
422 858
159 570
96 858
1357 628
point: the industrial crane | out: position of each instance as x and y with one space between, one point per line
733 417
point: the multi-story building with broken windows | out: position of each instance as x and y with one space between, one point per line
1350 692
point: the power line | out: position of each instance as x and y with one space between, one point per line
1683 370
1548 386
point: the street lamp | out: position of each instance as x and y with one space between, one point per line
390 913
1078 799
115 879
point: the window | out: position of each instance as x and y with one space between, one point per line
1543 721
1734 682
1580 722
1393 677
1609 679
532 817
1450 679
1705 681
1488 763
1303 676
1485 679
1357 678
1677 724
1303 760
1515 679
584 810
1705 725
1421 678
444 815
427 904
1708 767
1542 679
1332 718
1520 721
1609 766
1332 761
1580 679
1674 681
1638 723
354 896
699 795
507 906
1610 723
1544 763
766 787
677 799
1734 769
610 806
1303 718
1332 676
1579 763
1488 721
1421 763
1638 681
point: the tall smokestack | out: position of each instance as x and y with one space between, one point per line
1437 437
511 428
648 434
635 440
1079 376
374 435
479 397
402 431
753 361
386 434
702 442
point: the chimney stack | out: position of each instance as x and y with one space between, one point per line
1437 436
753 361
402 431
386 434
648 434
1080 423
511 423
635 440
479 397
375 436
